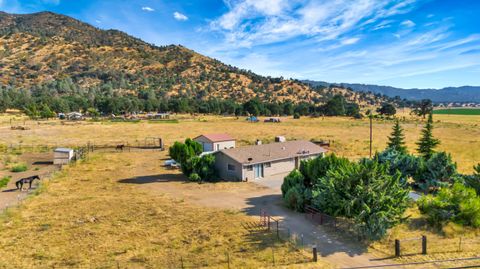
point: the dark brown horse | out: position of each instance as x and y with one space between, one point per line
120 147
26 180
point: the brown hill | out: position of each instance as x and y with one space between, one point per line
42 48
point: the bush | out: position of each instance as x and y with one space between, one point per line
436 172
296 116
4 181
294 198
365 192
291 180
458 204
194 177
318 167
204 167
473 181
19 168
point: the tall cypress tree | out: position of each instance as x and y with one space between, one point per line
397 139
427 142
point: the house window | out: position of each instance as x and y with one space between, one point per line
267 165
249 168
230 167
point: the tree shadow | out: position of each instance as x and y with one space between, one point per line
155 179
43 163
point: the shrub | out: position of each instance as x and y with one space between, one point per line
436 172
473 181
365 192
194 177
318 167
294 198
204 167
19 168
291 180
4 181
296 116
458 204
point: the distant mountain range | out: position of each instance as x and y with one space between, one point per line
465 94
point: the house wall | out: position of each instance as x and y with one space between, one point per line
206 144
276 167
221 165
223 145
209 146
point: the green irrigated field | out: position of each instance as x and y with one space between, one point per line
458 111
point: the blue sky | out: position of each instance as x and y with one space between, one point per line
409 43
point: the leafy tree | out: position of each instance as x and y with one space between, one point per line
46 112
365 192
317 168
335 106
293 179
32 111
184 152
423 108
93 112
387 109
473 181
408 165
427 142
397 139
459 204
294 198
204 167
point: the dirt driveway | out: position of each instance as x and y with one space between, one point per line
251 198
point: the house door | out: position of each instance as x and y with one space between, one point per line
258 170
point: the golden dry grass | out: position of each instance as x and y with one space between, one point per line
87 217
452 241
459 135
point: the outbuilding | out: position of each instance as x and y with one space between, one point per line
62 156
215 142
264 161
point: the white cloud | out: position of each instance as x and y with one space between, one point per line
408 23
148 9
251 22
350 41
179 16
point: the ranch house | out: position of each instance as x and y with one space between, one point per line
215 142
263 161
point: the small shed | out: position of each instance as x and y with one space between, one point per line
62 156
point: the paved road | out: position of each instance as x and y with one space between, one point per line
341 254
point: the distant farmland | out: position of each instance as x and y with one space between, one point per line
458 111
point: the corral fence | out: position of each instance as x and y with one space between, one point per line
337 224
424 245
283 233
151 143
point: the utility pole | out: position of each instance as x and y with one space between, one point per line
371 134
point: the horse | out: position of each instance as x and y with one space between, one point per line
26 180
120 147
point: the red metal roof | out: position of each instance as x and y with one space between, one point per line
217 137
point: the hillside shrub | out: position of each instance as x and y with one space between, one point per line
4 181
458 204
19 168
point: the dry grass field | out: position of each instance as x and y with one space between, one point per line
459 134
88 216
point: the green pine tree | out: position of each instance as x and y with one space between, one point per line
397 139
427 142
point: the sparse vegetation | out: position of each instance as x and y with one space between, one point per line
21 167
4 181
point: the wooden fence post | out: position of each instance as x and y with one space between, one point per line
397 248
228 260
314 250
424 245
268 223
273 256
460 245
278 231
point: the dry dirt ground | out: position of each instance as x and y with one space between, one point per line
38 164
251 198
